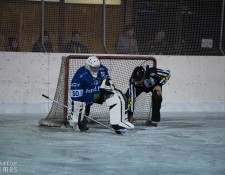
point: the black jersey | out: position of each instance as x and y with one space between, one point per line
153 76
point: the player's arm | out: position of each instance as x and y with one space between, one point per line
162 76
104 72
106 77
76 90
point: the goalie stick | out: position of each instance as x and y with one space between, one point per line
70 109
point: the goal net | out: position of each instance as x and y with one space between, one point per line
120 68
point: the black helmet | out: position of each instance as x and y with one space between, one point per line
138 74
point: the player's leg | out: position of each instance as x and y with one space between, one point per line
87 109
156 106
130 105
82 122
77 117
131 102
118 111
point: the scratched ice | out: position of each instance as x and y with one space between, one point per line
184 144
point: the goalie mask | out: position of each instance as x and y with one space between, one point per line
138 74
93 64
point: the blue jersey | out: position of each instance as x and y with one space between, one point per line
85 87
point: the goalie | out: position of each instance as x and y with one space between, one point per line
91 84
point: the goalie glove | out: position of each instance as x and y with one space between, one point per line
110 83
107 85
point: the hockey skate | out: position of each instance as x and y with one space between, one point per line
119 129
151 124
83 125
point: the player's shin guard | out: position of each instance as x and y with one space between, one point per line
77 117
118 111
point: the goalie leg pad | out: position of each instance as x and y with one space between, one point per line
77 116
123 125
126 124
118 111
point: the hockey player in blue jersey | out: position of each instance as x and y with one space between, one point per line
92 84
147 79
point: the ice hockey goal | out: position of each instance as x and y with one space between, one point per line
119 67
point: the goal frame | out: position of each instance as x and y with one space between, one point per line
101 57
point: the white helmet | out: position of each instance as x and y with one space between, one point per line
92 62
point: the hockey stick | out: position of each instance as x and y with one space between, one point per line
70 109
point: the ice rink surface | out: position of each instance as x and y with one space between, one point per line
183 144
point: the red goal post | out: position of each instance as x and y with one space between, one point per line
119 67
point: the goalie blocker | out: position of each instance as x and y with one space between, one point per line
116 102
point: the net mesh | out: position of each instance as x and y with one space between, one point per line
183 27
120 69
55 116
